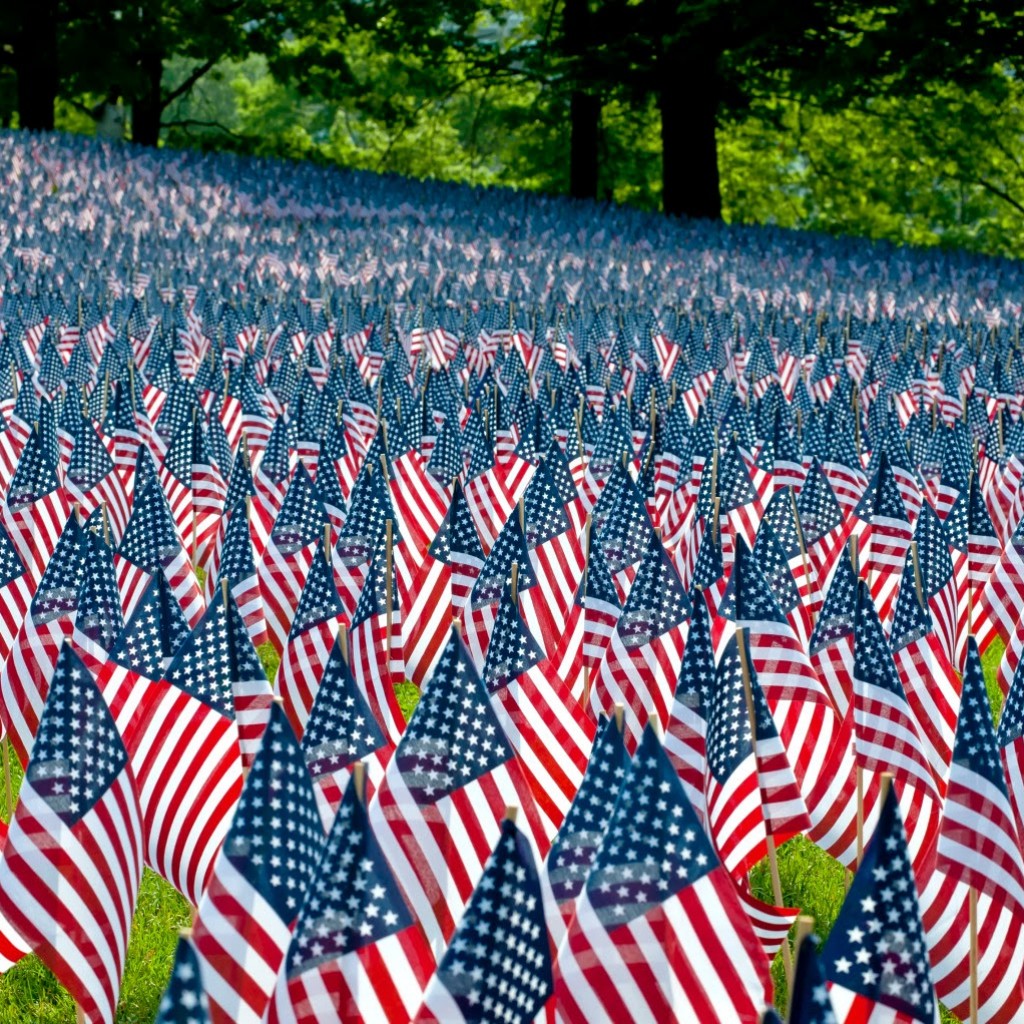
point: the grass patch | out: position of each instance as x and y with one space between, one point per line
269 659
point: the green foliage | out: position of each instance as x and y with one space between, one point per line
408 695
269 659
934 170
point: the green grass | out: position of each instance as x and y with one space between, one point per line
810 879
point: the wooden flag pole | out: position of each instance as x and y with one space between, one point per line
860 814
359 780
588 530
884 785
773 862
514 584
8 786
804 927
343 641
803 545
388 596
917 576
619 714
972 905
327 542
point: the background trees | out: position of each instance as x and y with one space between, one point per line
903 120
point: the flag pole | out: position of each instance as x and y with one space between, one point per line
773 863
803 929
9 788
803 547
514 584
388 596
588 531
972 905
343 641
359 780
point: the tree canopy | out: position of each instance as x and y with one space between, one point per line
901 120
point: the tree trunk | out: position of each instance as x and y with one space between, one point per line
585 122
584 107
688 100
36 64
148 108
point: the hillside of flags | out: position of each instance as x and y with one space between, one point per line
691 537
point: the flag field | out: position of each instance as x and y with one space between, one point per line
29 994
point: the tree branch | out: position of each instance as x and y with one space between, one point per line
190 122
999 193
185 86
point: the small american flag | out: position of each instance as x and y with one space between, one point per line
357 955
244 923
72 863
659 931
507 911
453 773
875 958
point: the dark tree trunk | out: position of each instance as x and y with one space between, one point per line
584 107
688 100
585 115
148 108
36 64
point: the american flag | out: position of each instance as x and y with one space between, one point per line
686 732
938 585
430 605
932 687
15 593
887 734
592 621
72 864
92 480
494 577
286 562
25 677
556 555
575 847
236 564
184 751
310 640
150 545
342 731
810 1002
875 958
824 526
245 920
505 916
885 537
545 725
357 955
659 932
452 775
154 632
805 717
376 638
750 790
646 648
35 507
184 1000
1003 593
978 840
983 553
